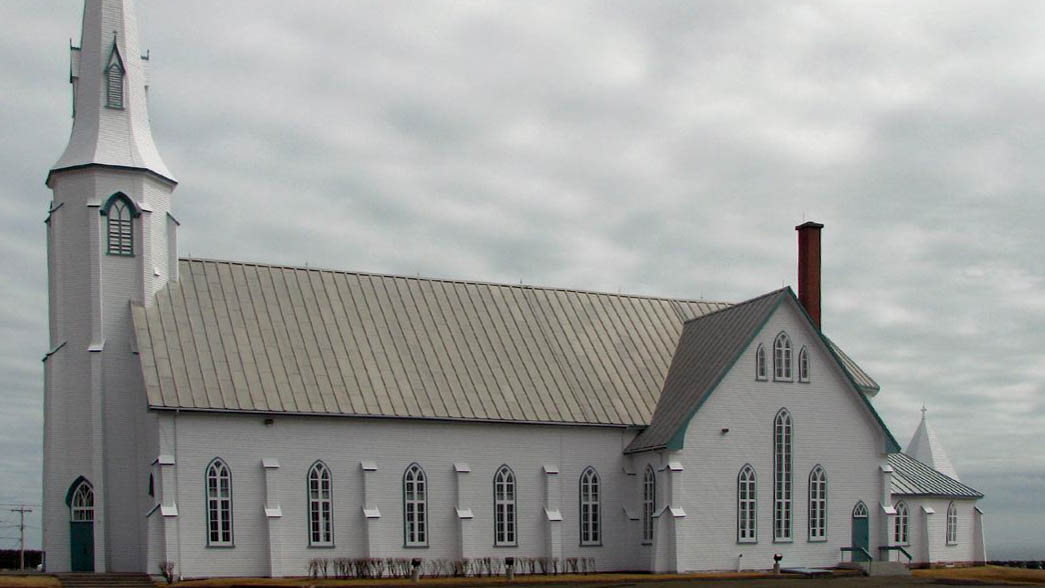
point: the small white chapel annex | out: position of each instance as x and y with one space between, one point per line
243 419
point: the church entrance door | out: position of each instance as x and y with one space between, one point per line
861 533
81 528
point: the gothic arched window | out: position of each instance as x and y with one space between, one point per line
320 506
591 533
219 503
760 363
649 503
782 479
817 504
901 527
119 213
803 365
952 524
415 506
782 357
747 506
504 506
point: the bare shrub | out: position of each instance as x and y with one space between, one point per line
167 569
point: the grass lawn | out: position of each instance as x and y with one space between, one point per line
985 574
29 582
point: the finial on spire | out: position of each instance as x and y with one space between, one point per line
923 411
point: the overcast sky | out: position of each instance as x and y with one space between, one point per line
664 148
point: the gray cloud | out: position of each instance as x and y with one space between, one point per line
659 147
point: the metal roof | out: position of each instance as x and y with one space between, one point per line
707 350
861 379
913 478
247 337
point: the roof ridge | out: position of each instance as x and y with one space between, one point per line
458 281
737 305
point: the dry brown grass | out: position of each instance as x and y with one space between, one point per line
986 574
29 582
471 581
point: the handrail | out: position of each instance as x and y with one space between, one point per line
853 550
896 548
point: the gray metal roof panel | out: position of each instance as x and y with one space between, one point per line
248 337
914 478
862 380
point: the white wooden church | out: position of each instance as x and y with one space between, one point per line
242 419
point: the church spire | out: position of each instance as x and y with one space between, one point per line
110 82
926 448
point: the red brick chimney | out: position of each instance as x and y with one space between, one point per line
809 268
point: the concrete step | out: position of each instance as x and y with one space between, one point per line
88 580
888 568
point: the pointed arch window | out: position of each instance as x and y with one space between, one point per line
952 524
114 82
81 508
782 478
504 507
119 212
415 506
320 506
219 504
818 504
591 532
760 363
860 510
901 525
747 506
803 365
782 357
649 503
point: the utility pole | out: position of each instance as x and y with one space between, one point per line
21 510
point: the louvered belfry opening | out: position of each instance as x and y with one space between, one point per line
809 269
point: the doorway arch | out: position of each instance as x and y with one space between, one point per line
80 500
861 532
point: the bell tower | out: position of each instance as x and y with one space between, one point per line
111 242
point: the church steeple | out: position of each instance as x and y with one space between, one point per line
926 448
111 245
110 85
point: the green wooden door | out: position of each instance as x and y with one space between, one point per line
81 545
861 533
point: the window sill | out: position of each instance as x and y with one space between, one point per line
783 540
818 540
221 546
952 543
599 544
504 545
761 379
747 541
784 380
415 546
321 546
646 543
